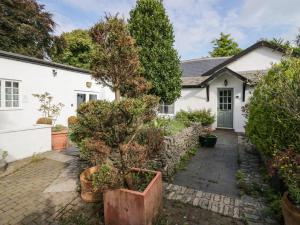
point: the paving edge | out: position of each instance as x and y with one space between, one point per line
221 204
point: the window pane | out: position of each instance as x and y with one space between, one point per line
221 106
7 90
92 97
221 100
225 93
225 100
16 103
7 84
221 93
225 106
8 103
229 106
16 91
16 85
15 97
229 100
8 97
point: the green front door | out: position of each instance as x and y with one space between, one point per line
225 108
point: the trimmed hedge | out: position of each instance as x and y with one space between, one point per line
198 116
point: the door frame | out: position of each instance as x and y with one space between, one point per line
232 106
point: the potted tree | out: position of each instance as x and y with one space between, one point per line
50 111
207 139
287 163
106 132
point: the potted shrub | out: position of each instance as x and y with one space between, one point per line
207 139
50 111
3 163
287 163
59 137
107 134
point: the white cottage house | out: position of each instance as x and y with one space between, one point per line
20 78
223 84
219 84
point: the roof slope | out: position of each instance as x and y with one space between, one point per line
28 59
197 67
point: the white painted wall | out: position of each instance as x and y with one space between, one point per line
37 79
195 98
258 59
22 143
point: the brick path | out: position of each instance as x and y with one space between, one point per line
37 192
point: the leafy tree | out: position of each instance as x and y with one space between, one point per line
150 26
74 48
116 61
224 46
284 45
25 27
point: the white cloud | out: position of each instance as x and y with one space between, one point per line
198 22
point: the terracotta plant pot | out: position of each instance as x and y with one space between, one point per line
126 207
59 140
87 192
291 213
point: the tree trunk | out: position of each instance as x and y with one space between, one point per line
117 95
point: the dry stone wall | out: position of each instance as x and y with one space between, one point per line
174 147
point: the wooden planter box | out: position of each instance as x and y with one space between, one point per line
290 212
126 207
59 140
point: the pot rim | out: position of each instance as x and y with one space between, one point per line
59 132
144 193
289 203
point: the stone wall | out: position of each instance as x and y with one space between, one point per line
174 147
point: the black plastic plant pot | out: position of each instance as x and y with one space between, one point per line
208 141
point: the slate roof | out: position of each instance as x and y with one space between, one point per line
197 67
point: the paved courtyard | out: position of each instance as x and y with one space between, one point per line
213 169
40 192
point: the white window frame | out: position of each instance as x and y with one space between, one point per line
162 105
87 95
3 95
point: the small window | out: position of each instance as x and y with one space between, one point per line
166 109
11 94
92 97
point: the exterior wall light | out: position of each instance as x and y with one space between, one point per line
225 83
88 84
54 72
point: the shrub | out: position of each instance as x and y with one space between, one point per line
44 120
72 120
110 129
287 163
198 116
274 109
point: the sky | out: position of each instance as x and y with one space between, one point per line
196 22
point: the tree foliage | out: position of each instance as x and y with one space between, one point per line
150 26
116 61
25 27
224 46
109 129
74 48
274 109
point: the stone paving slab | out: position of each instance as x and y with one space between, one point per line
213 169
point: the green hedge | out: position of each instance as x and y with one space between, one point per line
274 109
198 116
